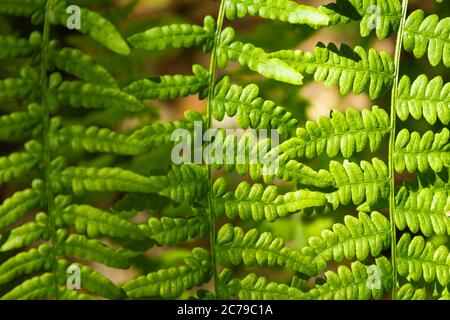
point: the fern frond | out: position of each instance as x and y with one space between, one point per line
304 175
23 8
181 184
381 16
79 94
25 263
283 10
171 283
255 249
186 183
76 245
347 133
357 237
17 125
250 110
41 287
350 69
17 206
367 182
82 180
20 88
160 133
255 59
428 35
14 47
420 153
424 210
171 86
253 287
95 223
354 283
168 231
408 292
81 65
25 234
419 260
91 280
95 139
92 23
423 97
16 165
260 203
175 36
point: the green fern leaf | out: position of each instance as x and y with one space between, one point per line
41 287
250 110
91 280
421 260
430 99
254 249
20 88
26 263
160 133
17 206
171 87
171 283
82 180
13 47
24 235
17 125
345 133
23 8
175 36
92 23
365 183
381 16
85 95
253 287
420 153
168 231
16 165
81 65
92 249
94 139
260 203
408 292
428 35
354 283
283 10
255 59
95 223
357 237
352 70
424 210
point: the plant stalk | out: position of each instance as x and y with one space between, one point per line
46 160
212 217
392 135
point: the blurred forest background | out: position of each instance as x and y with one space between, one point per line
306 103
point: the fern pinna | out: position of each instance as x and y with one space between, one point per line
393 242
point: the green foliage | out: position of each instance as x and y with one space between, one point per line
172 282
428 35
424 98
283 10
421 153
175 36
353 70
88 178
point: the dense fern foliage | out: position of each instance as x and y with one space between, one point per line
390 179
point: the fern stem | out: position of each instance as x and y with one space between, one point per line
212 218
46 138
393 115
